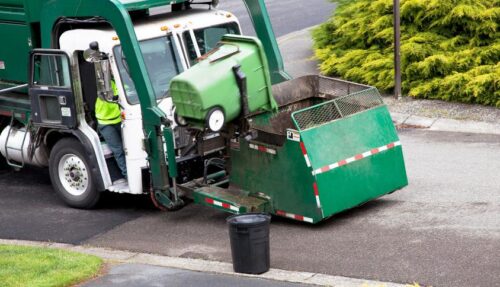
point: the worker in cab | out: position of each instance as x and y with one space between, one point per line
109 120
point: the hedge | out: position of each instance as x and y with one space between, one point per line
450 49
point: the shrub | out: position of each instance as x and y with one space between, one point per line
450 49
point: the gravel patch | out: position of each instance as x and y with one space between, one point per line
442 109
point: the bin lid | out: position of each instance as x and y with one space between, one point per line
249 219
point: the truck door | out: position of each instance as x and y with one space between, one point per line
51 89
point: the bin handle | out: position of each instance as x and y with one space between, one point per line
217 48
241 230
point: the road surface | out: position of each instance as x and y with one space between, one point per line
442 230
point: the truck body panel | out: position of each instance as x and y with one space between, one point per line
14 54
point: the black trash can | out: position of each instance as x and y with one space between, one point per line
249 236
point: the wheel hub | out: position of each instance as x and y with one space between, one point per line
73 174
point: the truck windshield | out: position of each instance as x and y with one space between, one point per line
162 62
207 38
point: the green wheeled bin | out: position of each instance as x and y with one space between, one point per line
233 79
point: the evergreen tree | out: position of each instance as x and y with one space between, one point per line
450 49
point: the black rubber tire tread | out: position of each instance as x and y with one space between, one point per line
90 197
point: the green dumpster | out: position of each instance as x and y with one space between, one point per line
331 146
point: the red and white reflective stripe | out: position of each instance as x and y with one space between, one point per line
304 152
221 204
316 194
294 216
356 158
262 148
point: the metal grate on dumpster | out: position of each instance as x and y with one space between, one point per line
338 88
354 98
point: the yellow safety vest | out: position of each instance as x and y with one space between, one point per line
108 113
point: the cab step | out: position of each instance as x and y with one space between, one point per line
232 200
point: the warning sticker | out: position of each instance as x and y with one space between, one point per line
2 65
293 136
66 112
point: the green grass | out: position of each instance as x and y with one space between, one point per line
33 266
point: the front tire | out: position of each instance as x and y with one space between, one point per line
71 176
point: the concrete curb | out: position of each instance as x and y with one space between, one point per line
446 125
295 34
199 265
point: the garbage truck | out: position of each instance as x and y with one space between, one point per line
208 115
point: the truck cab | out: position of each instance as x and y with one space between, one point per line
49 86
170 44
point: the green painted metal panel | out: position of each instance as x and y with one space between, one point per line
14 61
230 200
343 153
363 138
12 14
132 5
263 27
347 137
34 7
289 182
15 3
284 177
361 181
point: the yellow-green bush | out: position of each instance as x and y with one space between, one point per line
450 49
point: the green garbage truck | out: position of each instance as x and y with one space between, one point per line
305 148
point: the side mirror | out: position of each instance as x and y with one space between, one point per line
92 54
103 77
102 71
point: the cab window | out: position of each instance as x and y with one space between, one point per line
207 38
162 63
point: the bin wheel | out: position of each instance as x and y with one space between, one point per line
179 120
71 176
215 119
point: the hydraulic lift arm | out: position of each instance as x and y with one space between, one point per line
262 24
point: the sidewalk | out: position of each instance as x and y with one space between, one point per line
435 115
142 275
130 269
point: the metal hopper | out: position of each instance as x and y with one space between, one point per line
331 146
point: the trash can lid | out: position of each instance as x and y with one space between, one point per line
249 219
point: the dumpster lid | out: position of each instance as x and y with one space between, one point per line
248 219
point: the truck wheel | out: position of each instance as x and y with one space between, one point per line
70 174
